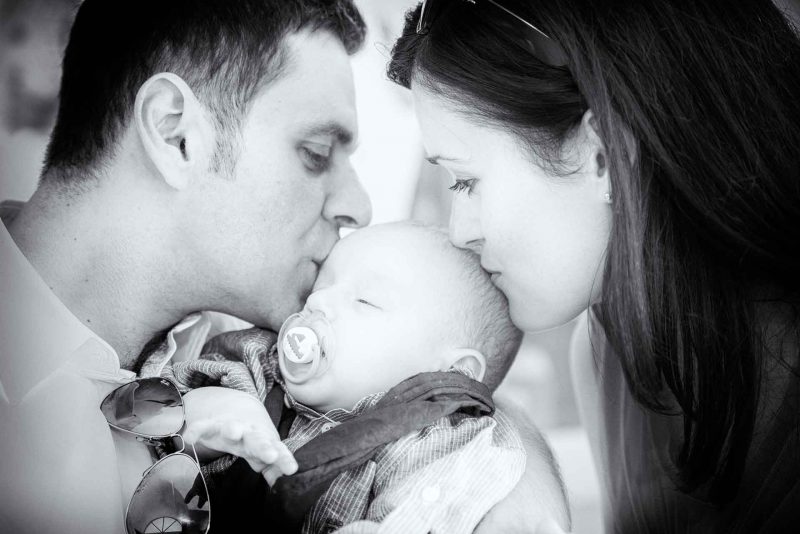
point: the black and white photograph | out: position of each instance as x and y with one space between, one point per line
400 266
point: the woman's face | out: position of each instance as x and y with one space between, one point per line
543 236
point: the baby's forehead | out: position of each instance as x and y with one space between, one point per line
397 249
390 242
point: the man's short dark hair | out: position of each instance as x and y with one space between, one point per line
225 50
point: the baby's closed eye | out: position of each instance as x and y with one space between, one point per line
367 303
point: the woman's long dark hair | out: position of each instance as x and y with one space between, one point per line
698 104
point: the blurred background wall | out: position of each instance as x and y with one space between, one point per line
32 37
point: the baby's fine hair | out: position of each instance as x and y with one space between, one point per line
483 322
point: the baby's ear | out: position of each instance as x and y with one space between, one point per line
469 359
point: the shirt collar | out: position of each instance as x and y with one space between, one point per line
38 333
183 342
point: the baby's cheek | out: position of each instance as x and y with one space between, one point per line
313 393
372 376
324 392
346 389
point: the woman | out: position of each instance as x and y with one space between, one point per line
643 160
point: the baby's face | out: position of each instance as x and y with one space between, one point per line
388 293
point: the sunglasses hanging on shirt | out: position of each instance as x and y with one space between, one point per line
172 496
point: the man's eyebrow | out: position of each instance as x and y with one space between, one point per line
343 135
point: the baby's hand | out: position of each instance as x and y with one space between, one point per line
222 420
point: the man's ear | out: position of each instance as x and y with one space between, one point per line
174 129
596 158
468 359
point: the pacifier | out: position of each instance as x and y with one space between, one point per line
305 347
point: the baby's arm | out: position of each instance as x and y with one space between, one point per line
222 420
444 479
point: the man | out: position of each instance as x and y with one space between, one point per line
200 161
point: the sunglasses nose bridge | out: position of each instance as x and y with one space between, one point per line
183 443
158 442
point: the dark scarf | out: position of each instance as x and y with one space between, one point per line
408 407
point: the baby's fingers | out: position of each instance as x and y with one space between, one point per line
201 431
285 465
286 462
261 449
210 432
233 431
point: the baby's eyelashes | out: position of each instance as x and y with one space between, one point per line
367 303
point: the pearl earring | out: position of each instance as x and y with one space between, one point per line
608 198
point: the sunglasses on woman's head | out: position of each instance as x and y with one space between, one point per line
172 496
541 45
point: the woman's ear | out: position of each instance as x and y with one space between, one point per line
469 359
596 160
175 132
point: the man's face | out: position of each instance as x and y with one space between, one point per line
261 234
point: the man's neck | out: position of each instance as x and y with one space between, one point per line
94 255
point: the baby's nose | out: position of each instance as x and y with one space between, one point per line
318 302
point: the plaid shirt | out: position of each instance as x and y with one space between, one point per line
441 479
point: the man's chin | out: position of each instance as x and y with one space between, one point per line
273 317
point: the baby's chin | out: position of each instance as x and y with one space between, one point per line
317 395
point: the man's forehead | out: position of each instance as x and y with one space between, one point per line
315 93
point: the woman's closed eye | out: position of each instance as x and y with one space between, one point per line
462 185
316 157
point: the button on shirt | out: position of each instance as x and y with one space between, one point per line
63 469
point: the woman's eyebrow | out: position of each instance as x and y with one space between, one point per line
434 160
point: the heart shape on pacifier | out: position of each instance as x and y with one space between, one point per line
301 345
305 347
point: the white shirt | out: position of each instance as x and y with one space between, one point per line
62 469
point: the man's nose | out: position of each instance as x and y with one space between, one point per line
465 224
348 204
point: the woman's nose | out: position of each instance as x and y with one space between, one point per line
465 224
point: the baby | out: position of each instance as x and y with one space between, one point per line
400 343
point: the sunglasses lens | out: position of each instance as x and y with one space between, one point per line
148 406
172 498
430 11
523 33
423 23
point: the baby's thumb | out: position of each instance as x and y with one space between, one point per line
194 431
